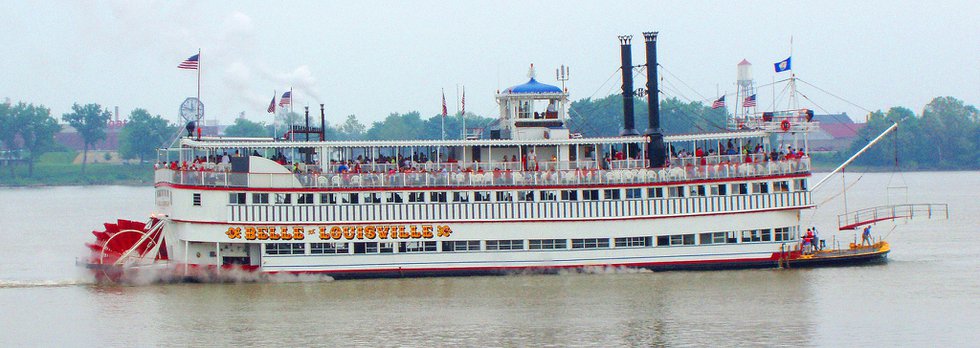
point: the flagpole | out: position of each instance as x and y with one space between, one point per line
199 67
443 115
292 136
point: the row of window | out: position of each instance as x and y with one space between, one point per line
510 196
727 237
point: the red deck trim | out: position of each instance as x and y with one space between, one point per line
866 222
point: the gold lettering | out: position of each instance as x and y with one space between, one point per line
250 233
426 231
323 233
444 231
383 232
402 234
299 233
369 232
360 232
263 233
234 233
415 232
349 232
336 232
274 234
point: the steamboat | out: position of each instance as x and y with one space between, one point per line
530 197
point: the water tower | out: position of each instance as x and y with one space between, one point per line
746 88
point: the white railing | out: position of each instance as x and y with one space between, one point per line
685 170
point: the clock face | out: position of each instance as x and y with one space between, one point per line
191 109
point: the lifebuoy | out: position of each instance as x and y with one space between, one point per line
784 125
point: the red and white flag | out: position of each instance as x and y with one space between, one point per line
444 110
464 100
191 63
272 104
720 103
286 99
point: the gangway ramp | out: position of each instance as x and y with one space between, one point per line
867 216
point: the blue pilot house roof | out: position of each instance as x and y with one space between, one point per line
533 87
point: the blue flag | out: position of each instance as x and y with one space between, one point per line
784 65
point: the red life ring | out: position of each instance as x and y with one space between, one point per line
784 125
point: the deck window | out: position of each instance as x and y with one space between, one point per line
395 197
547 195
714 238
460 245
481 196
349 198
569 195
371 198
590 195
416 246
780 186
514 244
719 190
196 199
236 198
760 187
304 198
675 191
655 192
284 198
505 196
285 248
696 191
740 189
525 196
461 196
437 197
611 194
547 244
260 198
781 234
330 248
590 243
634 242
416 197
799 184
328 198
634 193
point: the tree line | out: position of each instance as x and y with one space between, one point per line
945 135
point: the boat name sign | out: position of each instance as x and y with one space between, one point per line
339 232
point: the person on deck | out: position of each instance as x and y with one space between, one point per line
866 236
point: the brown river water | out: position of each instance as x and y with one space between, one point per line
928 294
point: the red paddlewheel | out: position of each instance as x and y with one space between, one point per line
122 236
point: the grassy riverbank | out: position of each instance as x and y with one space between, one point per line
57 169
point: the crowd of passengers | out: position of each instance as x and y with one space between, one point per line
416 163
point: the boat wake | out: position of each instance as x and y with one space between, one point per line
14 284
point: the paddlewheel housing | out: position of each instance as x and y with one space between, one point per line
126 244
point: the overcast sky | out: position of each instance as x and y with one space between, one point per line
375 58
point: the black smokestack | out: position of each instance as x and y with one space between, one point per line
629 127
655 148
323 125
307 130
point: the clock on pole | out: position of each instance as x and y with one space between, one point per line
192 110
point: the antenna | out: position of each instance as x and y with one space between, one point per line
561 74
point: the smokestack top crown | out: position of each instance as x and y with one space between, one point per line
625 39
650 35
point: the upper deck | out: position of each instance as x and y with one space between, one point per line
428 164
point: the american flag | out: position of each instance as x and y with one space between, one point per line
272 104
444 110
190 63
720 103
749 101
286 98
464 101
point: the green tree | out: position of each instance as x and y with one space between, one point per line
8 132
397 127
143 135
246 128
90 121
351 129
36 128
